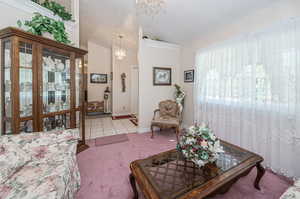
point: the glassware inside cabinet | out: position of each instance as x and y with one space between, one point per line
56 81
26 126
25 79
56 122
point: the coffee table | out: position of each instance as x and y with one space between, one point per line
168 176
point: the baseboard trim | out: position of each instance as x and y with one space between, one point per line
120 114
143 130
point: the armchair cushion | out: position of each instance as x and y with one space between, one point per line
168 108
170 121
12 158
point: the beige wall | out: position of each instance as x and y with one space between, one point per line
122 100
155 54
99 61
255 22
187 63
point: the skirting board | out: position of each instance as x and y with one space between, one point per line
148 129
120 114
143 130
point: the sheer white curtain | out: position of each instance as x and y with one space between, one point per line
248 90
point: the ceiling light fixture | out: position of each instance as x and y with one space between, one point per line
120 52
150 7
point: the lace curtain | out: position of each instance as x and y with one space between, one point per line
248 91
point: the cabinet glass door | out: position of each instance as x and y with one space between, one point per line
56 82
79 87
56 89
7 84
25 86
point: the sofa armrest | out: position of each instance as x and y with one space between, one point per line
45 138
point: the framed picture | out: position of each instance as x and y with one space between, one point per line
98 78
162 76
189 76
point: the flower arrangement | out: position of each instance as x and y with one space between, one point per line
200 145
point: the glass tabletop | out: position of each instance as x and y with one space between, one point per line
171 176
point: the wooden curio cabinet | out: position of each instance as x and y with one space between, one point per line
42 84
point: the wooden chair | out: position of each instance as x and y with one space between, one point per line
167 116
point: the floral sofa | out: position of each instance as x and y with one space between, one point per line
292 192
39 165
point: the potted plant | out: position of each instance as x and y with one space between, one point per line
47 27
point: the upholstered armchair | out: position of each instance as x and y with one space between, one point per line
167 116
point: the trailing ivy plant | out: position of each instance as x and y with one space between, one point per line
56 8
40 24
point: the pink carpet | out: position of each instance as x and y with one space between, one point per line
104 170
111 139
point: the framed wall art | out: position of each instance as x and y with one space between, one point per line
162 76
189 76
98 78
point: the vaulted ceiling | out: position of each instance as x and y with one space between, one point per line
181 22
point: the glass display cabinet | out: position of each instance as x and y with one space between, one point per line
42 84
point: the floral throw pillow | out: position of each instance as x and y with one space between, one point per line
12 158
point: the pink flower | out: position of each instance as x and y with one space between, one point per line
203 143
4 191
40 152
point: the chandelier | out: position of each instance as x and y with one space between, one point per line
120 52
150 7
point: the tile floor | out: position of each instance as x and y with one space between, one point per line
100 127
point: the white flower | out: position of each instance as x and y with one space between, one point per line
199 162
212 136
190 141
217 147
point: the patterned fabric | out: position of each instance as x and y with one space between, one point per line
12 158
168 108
166 120
292 192
52 172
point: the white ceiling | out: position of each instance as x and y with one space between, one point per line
181 22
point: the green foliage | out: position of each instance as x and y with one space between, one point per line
56 8
40 24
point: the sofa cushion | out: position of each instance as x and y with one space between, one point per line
45 138
55 176
12 158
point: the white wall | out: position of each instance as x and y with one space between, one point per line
99 61
122 100
134 89
257 21
155 54
13 10
187 63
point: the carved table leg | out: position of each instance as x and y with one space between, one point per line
133 185
260 173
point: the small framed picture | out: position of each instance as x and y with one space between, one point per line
97 78
189 76
162 76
